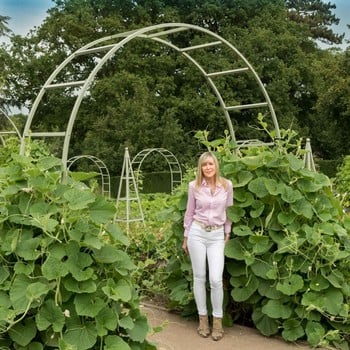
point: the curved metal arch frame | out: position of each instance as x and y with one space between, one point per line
103 170
172 161
154 34
15 131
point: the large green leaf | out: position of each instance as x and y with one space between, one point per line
4 274
78 263
294 162
18 293
6 312
289 195
49 314
328 300
49 162
242 178
286 218
113 342
23 333
54 268
235 213
106 320
318 283
79 199
290 285
243 287
277 309
261 244
303 207
83 336
257 209
29 248
101 211
292 330
139 332
335 277
235 248
88 304
25 268
110 254
267 289
274 188
257 186
243 200
315 333
260 268
36 290
72 285
126 322
266 325
253 162
242 230
116 234
118 290
308 185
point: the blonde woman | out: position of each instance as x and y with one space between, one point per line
206 230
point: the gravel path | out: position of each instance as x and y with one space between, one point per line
180 334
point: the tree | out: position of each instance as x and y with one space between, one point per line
148 94
4 29
317 16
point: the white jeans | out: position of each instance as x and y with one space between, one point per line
203 246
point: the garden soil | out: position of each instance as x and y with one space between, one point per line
179 333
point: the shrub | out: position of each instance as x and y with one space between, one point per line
64 273
342 182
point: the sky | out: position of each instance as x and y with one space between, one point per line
27 14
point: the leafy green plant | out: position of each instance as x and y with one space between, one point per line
64 273
288 257
150 247
342 181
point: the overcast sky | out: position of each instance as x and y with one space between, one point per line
26 14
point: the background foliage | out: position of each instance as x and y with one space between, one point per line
149 97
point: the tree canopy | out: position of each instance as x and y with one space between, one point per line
150 97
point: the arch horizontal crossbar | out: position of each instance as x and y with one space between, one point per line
100 51
103 170
174 166
7 128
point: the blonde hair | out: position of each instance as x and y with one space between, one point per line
199 175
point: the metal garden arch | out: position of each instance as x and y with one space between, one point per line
163 34
7 131
174 166
103 170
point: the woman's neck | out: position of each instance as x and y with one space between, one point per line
210 181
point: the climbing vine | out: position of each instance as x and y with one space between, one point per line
288 257
64 273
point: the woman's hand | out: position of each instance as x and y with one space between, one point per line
184 246
227 238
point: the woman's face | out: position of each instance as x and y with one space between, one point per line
208 168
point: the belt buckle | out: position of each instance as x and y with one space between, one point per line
207 228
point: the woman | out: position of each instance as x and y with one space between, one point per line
207 229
